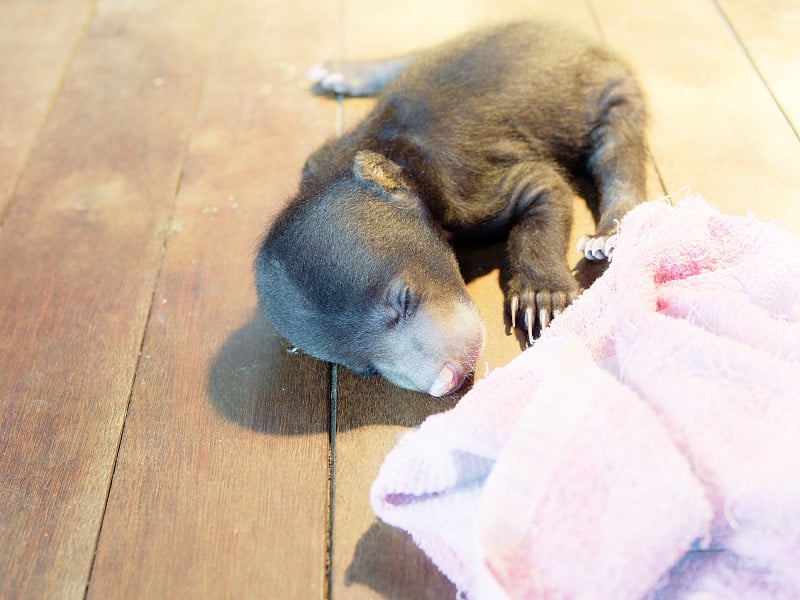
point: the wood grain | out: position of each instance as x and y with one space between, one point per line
117 287
764 29
221 488
371 559
37 43
716 127
79 252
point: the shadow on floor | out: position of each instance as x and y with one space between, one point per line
257 382
387 561
255 379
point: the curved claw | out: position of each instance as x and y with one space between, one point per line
529 324
334 82
328 78
538 307
589 250
514 308
544 317
596 248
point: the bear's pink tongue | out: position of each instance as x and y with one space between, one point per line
448 380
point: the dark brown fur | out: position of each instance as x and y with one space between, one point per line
480 137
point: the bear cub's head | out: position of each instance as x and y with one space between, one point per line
355 273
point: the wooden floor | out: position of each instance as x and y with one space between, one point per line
157 440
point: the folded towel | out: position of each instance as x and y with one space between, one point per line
656 417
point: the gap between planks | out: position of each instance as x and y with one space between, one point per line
338 127
5 203
751 59
167 234
329 571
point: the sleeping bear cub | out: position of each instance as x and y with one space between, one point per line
480 137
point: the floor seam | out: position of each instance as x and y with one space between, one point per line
751 59
5 208
156 279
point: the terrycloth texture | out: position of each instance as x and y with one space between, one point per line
657 417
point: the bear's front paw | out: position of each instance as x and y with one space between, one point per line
526 304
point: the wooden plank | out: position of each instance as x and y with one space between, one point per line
221 488
79 251
370 559
716 127
37 41
768 31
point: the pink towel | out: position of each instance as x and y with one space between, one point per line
648 445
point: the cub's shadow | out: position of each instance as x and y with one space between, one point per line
257 381
387 561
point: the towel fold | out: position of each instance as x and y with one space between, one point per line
646 445
587 518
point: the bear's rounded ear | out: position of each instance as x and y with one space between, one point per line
374 167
